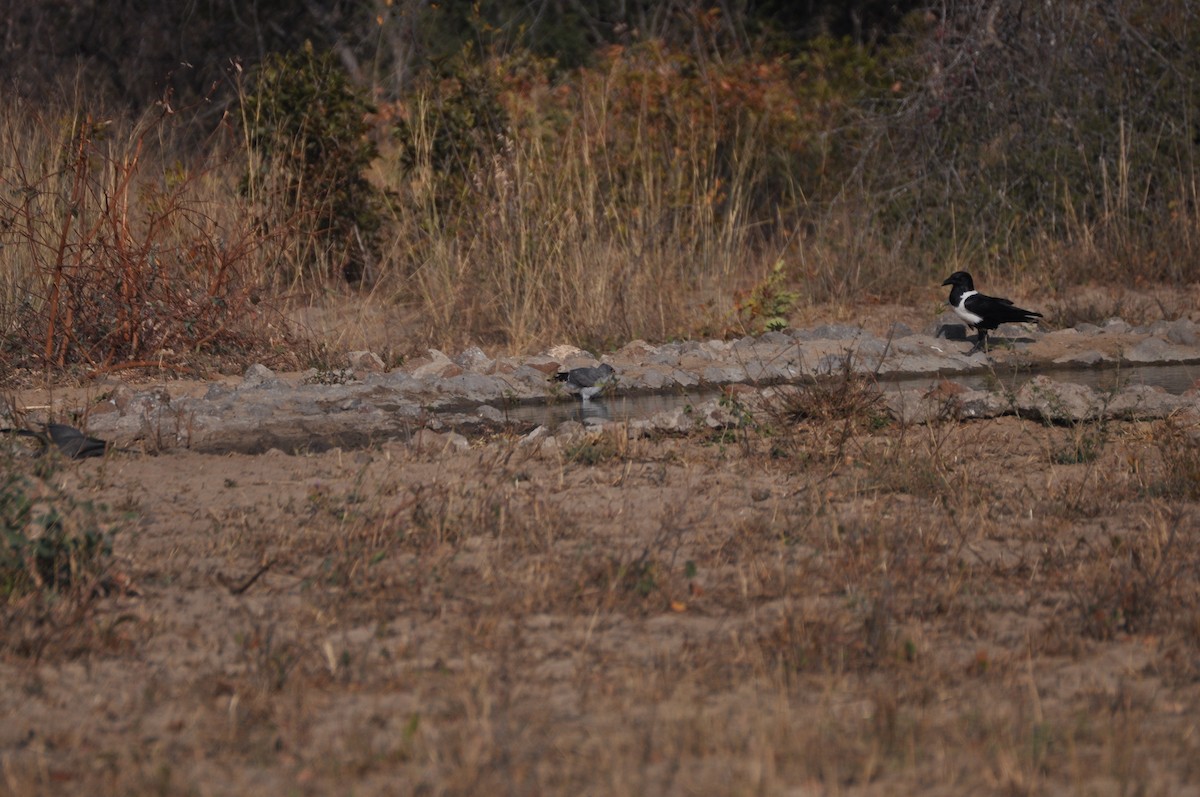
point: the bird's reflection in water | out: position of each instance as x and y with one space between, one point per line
593 410
614 408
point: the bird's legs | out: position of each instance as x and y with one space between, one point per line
981 343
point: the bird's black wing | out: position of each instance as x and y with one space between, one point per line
995 310
73 443
588 377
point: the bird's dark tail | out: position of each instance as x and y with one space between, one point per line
1026 315
1011 314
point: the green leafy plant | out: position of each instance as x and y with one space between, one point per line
454 128
768 303
48 540
592 449
306 129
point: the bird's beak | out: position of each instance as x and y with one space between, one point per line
948 282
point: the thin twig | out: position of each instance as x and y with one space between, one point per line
238 589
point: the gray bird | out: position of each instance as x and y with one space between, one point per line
588 382
71 442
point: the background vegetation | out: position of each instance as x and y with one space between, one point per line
517 173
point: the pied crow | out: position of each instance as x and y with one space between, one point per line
982 313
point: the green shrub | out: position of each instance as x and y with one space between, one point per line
767 305
457 123
307 131
48 540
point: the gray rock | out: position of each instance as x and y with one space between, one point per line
478 388
441 394
490 413
676 420
123 395
684 379
1144 402
534 437
259 375
829 332
771 370
1114 326
1182 332
1056 401
436 365
718 348
666 355
365 361
1089 357
1155 350
432 442
747 342
569 429
474 359
531 376
695 361
724 374
637 350
653 379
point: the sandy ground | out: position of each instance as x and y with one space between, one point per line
831 605
821 603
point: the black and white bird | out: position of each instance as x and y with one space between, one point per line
982 313
588 382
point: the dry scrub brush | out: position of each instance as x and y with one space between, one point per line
597 212
119 253
657 192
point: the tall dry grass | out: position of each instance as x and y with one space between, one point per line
556 241
651 195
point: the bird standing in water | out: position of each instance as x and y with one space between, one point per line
588 382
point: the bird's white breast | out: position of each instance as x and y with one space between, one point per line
963 312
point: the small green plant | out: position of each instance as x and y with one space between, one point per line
766 306
640 577
1085 445
1180 453
740 425
50 541
592 450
